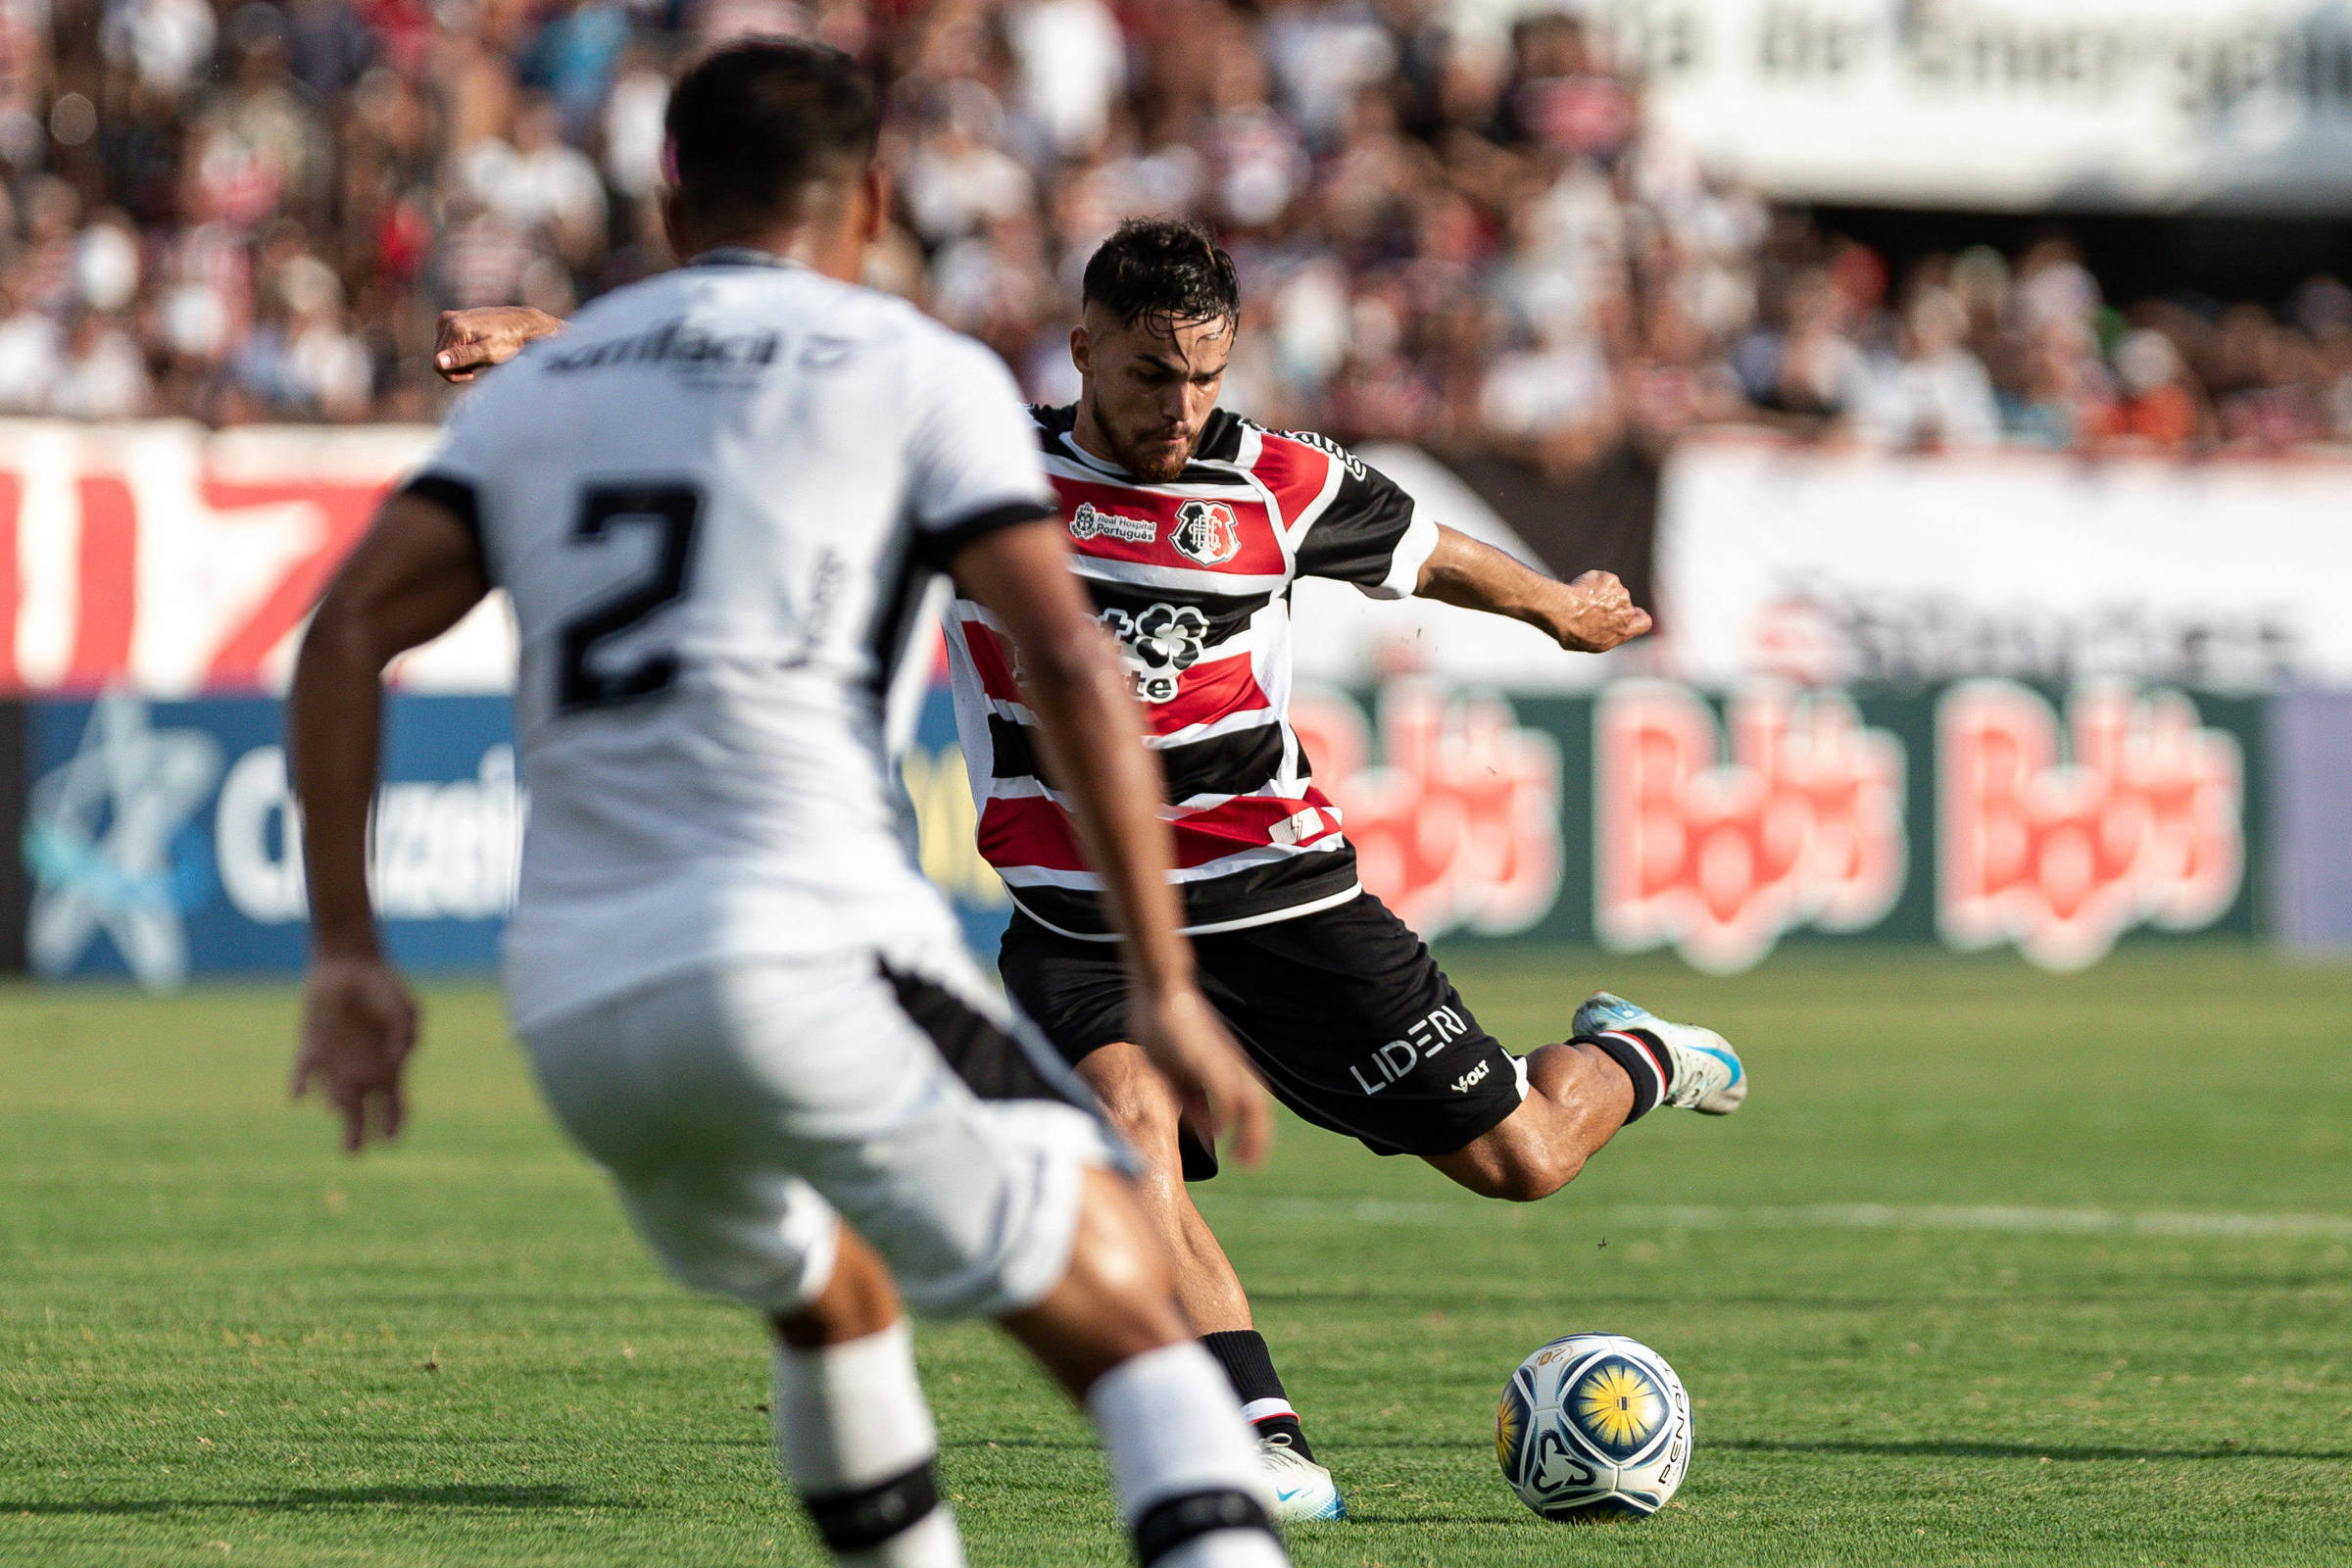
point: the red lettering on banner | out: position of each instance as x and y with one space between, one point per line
347 508
1802 824
1459 824
2143 825
108 567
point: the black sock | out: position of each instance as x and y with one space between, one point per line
1644 1061
1249 1367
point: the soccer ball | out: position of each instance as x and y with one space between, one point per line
1593 1426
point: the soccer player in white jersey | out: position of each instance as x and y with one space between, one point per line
1188 525
714 507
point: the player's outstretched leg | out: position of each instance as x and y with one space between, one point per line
1138 1104
1623 1061
1112 1333
853 1432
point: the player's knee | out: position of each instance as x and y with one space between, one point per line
858 1300
1134 1099
1117 1298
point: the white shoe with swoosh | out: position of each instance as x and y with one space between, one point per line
1302 1488
1707 1074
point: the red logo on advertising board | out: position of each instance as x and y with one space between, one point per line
1459 824
1801 825
2139 818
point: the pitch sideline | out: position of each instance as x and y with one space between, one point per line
1841 1217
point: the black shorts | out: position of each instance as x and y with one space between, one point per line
1351 1021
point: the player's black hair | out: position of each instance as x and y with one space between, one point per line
752 125
1163 273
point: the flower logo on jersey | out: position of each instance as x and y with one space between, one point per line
1206 532
1161 642
1802 824
1459 824
2144 823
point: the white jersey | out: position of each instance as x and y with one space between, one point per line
716 502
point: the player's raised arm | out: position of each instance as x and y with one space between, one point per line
412 577
1589 615
1093 738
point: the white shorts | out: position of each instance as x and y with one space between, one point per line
745 1110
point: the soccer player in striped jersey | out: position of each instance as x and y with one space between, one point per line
1188 525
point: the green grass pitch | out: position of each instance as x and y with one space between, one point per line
1990 1271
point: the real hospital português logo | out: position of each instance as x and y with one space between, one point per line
114 846
1719 846
1458 824
2059 842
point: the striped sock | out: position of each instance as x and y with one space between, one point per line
1644 1061
1249 1367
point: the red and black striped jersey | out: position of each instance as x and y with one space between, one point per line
1194 578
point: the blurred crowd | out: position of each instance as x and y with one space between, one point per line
1451 229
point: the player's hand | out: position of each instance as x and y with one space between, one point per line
359 1024
472 341
1596 614
1214 1084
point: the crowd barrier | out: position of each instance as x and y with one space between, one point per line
158 835
1841 734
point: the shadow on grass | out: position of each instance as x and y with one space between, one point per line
300 1498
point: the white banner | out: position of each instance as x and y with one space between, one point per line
168 560
2134 104
1831 564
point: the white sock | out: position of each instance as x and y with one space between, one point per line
1183 1461
858 1443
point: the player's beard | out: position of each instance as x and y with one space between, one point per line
1155 467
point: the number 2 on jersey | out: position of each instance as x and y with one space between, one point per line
670 510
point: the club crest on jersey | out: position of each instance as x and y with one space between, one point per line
1206 532
1161 642
1090 521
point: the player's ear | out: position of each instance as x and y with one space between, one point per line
1082 350
674 227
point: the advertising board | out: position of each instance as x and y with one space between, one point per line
1983 813
2128 104
161 838
1868 567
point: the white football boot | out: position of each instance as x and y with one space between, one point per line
1302 1488
1706 1073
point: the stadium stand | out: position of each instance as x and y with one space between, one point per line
1456 236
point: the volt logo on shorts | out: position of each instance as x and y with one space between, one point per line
1471 1079
1423 1041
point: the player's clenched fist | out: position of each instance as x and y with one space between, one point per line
1596 614
472 341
